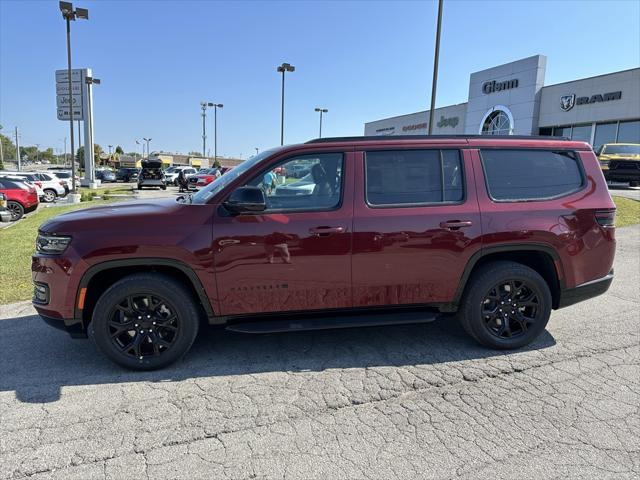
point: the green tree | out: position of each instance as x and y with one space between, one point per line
119 150
195 154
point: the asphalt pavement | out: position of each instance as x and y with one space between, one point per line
419 401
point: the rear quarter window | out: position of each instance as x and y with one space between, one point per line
531 174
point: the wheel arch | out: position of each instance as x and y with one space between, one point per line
100 276
539 257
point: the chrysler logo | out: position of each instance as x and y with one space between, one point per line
567 102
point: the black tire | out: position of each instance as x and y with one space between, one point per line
15 209
50 195
163 187
164 336
483 313
139 187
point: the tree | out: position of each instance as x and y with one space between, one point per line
119 150
97 150
195 154
8 148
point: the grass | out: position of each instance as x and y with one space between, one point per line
17 243
628 211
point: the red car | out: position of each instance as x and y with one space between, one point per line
21 198
203 179
494 231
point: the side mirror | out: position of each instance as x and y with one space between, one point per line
246 199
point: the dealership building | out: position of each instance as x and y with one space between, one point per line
512 99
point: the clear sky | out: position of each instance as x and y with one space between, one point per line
362 60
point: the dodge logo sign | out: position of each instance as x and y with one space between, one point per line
567 102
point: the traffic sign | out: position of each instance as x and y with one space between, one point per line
77 90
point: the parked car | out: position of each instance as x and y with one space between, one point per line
105 176
171 174
304 186
21 198
5 214
52 187
297 170
151 175
127 174
203 179
620 162
30 180
494 231
65 177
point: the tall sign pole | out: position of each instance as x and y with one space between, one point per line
73 162
435 69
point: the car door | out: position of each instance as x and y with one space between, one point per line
295 255
416 224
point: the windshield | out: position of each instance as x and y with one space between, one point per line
208 192
621 149
170 169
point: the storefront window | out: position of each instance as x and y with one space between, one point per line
581 133
497 123
562 132
629 132
546 131
605 133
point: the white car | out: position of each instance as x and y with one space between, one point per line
52 187
28 181
171 174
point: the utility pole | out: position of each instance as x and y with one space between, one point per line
1 152
285 67
321 110
18 159
434 83
65 151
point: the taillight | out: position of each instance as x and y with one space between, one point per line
606 218
38 184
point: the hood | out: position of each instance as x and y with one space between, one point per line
619 156
139 214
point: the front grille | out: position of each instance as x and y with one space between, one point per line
613 165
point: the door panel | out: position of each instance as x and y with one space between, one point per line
412 254
286 261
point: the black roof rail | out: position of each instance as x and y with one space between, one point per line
387 138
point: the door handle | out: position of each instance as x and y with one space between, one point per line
455 224
325 231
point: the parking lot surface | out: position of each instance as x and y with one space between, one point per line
417 401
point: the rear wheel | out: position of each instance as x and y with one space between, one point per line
634 184
50 195
145 321
506 305
15 209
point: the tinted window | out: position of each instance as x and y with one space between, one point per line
629 132
530 174
319 189
605 133
406 177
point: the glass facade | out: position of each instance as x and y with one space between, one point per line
581 133
607 132
629 132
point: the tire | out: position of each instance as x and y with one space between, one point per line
483 305
49 195
15 209
159 345
163 187
634 184
139 187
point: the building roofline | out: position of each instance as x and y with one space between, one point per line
589 78
414 113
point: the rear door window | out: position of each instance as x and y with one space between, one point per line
531 174
413 177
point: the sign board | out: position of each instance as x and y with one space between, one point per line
62 93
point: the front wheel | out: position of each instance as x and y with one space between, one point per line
145 321
506 305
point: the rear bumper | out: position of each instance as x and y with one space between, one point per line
585 291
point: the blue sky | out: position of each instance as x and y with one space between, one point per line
362 60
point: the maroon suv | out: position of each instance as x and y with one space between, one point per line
380 230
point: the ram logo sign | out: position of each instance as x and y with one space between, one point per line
568 101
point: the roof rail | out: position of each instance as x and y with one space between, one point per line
387 138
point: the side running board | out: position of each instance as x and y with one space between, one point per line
331 322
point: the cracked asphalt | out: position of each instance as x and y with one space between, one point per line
418 401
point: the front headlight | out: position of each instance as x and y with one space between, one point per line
52 244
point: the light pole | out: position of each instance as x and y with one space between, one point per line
321 110
216 106
110 147
204 106
257 150
69 14
434 83
285 67
146 140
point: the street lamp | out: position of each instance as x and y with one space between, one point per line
204 106
69 14
216 106
321 110
285 67
146 140
257 150
434 83
110 147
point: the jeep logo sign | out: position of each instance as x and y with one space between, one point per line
568 101
448 122
493 86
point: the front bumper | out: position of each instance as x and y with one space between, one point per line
5 216
585 291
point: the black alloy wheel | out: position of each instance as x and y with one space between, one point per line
145 321
143 325
510 308
15 209
506 305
